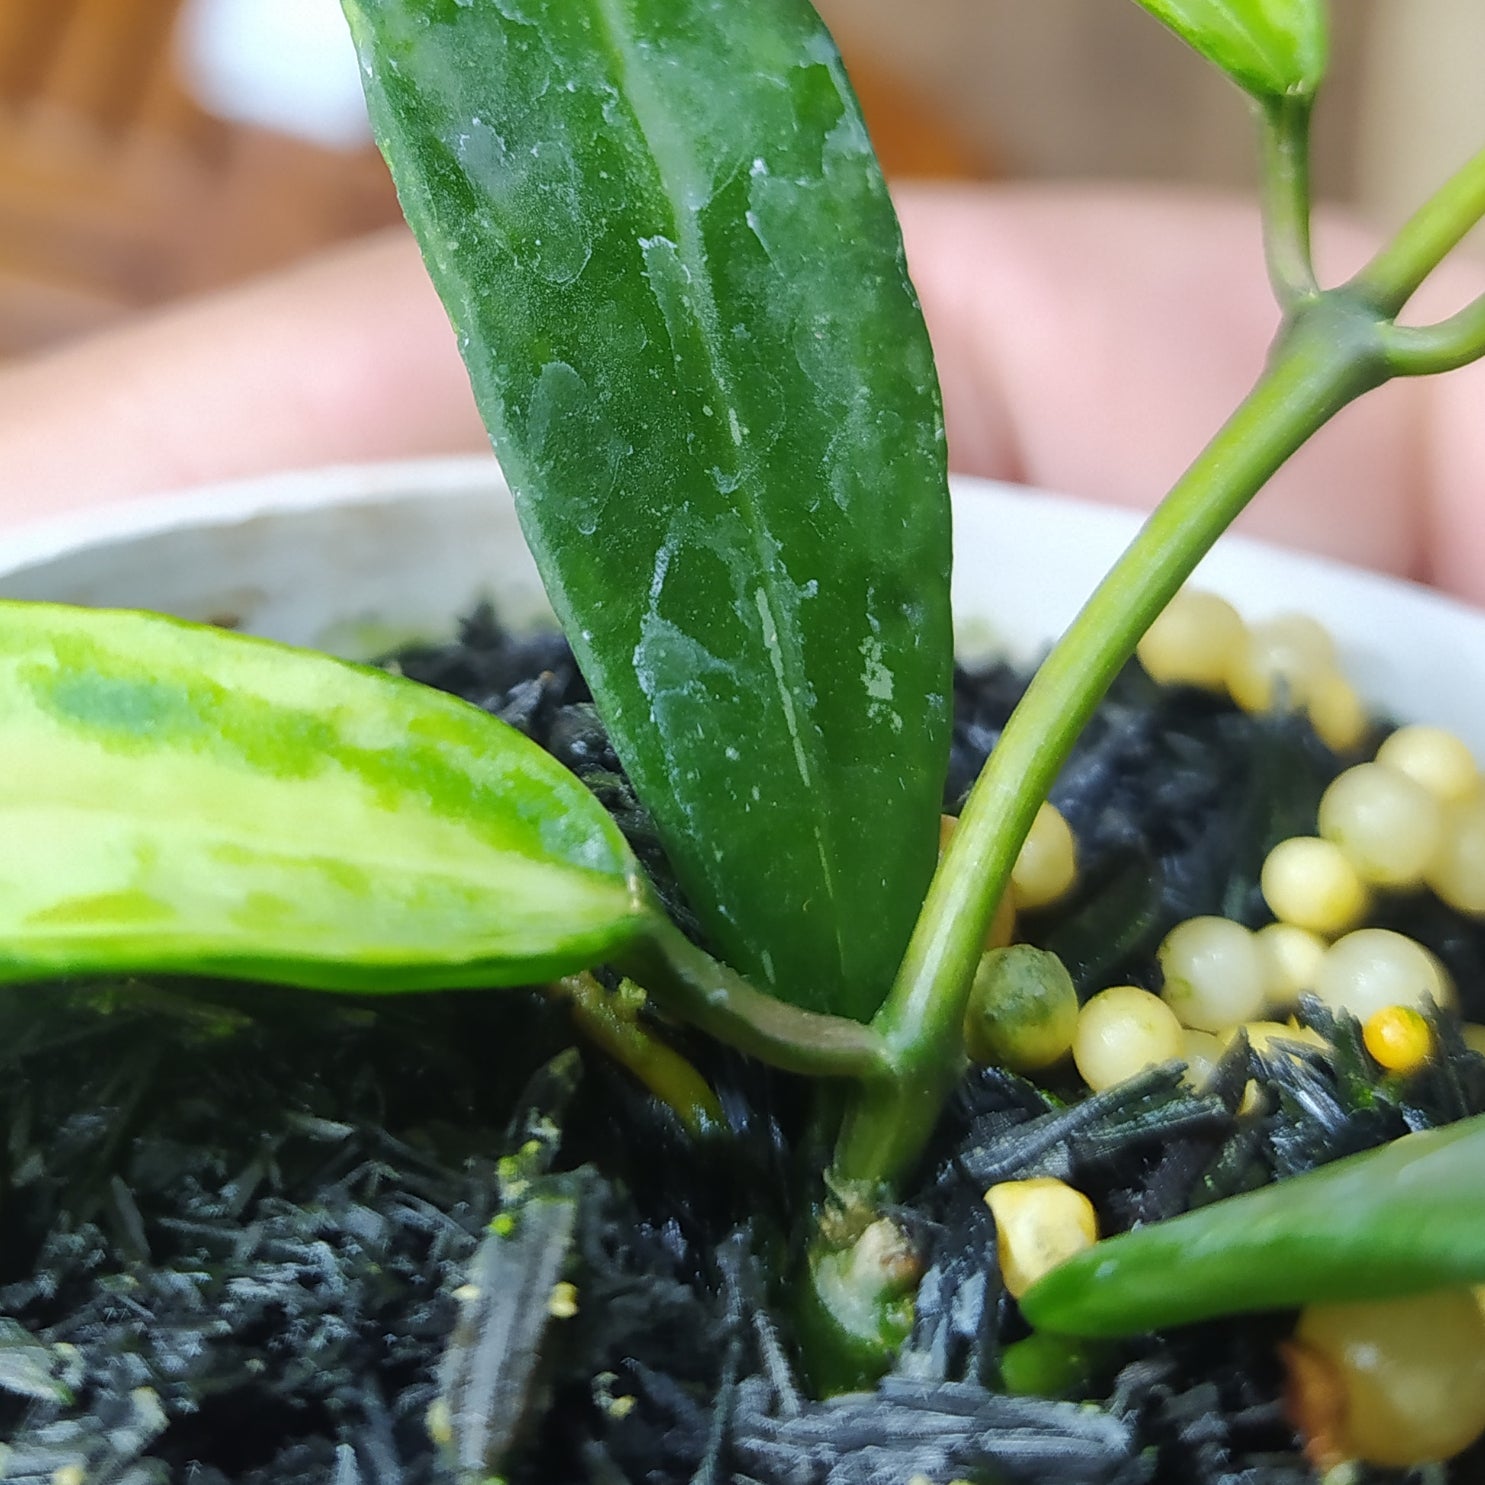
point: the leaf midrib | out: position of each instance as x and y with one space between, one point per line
681 180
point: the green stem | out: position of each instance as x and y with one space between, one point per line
690 984
1286 199
611 1019
1434 230
1327 355
1420 350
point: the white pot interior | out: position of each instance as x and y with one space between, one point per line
355 560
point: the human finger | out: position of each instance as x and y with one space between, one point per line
1091 341
346 358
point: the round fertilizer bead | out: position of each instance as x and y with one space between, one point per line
1373 968
1277 665
1023 1010
1215 973
1038 1223
1337 713
1311 883
1201 1051
1399 1038
1411 1376
1121 1032
1434 758
1047 866
1192 641
1389 826
1293 957
1457 871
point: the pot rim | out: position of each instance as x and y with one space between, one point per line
1409 649
230 502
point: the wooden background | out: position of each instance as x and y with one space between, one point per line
119 191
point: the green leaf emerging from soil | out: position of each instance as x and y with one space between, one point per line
176 798
665 244
1398 1220
1271 48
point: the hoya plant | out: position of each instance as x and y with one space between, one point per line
675 275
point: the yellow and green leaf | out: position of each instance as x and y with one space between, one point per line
177 798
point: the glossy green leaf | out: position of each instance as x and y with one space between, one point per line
1271 48
176 798
1398 1220
663 239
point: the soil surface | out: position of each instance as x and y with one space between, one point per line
257 1235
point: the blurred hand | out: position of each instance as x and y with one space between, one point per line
1088 341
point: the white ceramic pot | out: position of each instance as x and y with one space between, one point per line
356 559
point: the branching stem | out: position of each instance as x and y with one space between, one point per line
692 985
1328 354
1425 239
1335 345
1286 200
1420 350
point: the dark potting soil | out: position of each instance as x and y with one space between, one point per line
255 1235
